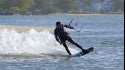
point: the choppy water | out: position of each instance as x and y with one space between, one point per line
24 51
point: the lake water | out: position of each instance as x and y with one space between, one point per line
34 50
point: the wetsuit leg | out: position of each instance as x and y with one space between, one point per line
70 40
67 49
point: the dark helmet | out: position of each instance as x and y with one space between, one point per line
58 23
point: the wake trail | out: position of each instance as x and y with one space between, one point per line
30 42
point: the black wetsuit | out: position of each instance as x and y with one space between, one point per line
62 36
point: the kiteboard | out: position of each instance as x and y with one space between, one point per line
79 54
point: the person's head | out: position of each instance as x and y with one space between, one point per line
58 24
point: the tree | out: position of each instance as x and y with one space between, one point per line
64 5
107 6
25 5
86 4
118 5
42 6
10 3
14 9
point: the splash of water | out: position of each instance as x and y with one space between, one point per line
31 42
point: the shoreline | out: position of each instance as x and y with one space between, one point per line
95 14
89 14
23 28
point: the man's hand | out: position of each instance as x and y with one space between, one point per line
71 27
67 26
60 42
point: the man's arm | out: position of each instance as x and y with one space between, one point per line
56 36
67 26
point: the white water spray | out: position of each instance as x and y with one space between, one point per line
30 42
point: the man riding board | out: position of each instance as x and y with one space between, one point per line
62 36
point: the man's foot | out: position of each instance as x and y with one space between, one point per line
70 54
84 51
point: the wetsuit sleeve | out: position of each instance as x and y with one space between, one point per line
56 36
67 26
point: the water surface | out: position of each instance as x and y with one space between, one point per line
22 51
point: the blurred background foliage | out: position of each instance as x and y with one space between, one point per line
39 7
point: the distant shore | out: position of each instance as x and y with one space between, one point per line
111 13
23 28
90 14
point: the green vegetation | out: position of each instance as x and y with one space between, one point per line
9 7
118 5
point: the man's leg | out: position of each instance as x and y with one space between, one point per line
67 49
70 40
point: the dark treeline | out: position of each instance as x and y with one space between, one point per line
59 6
